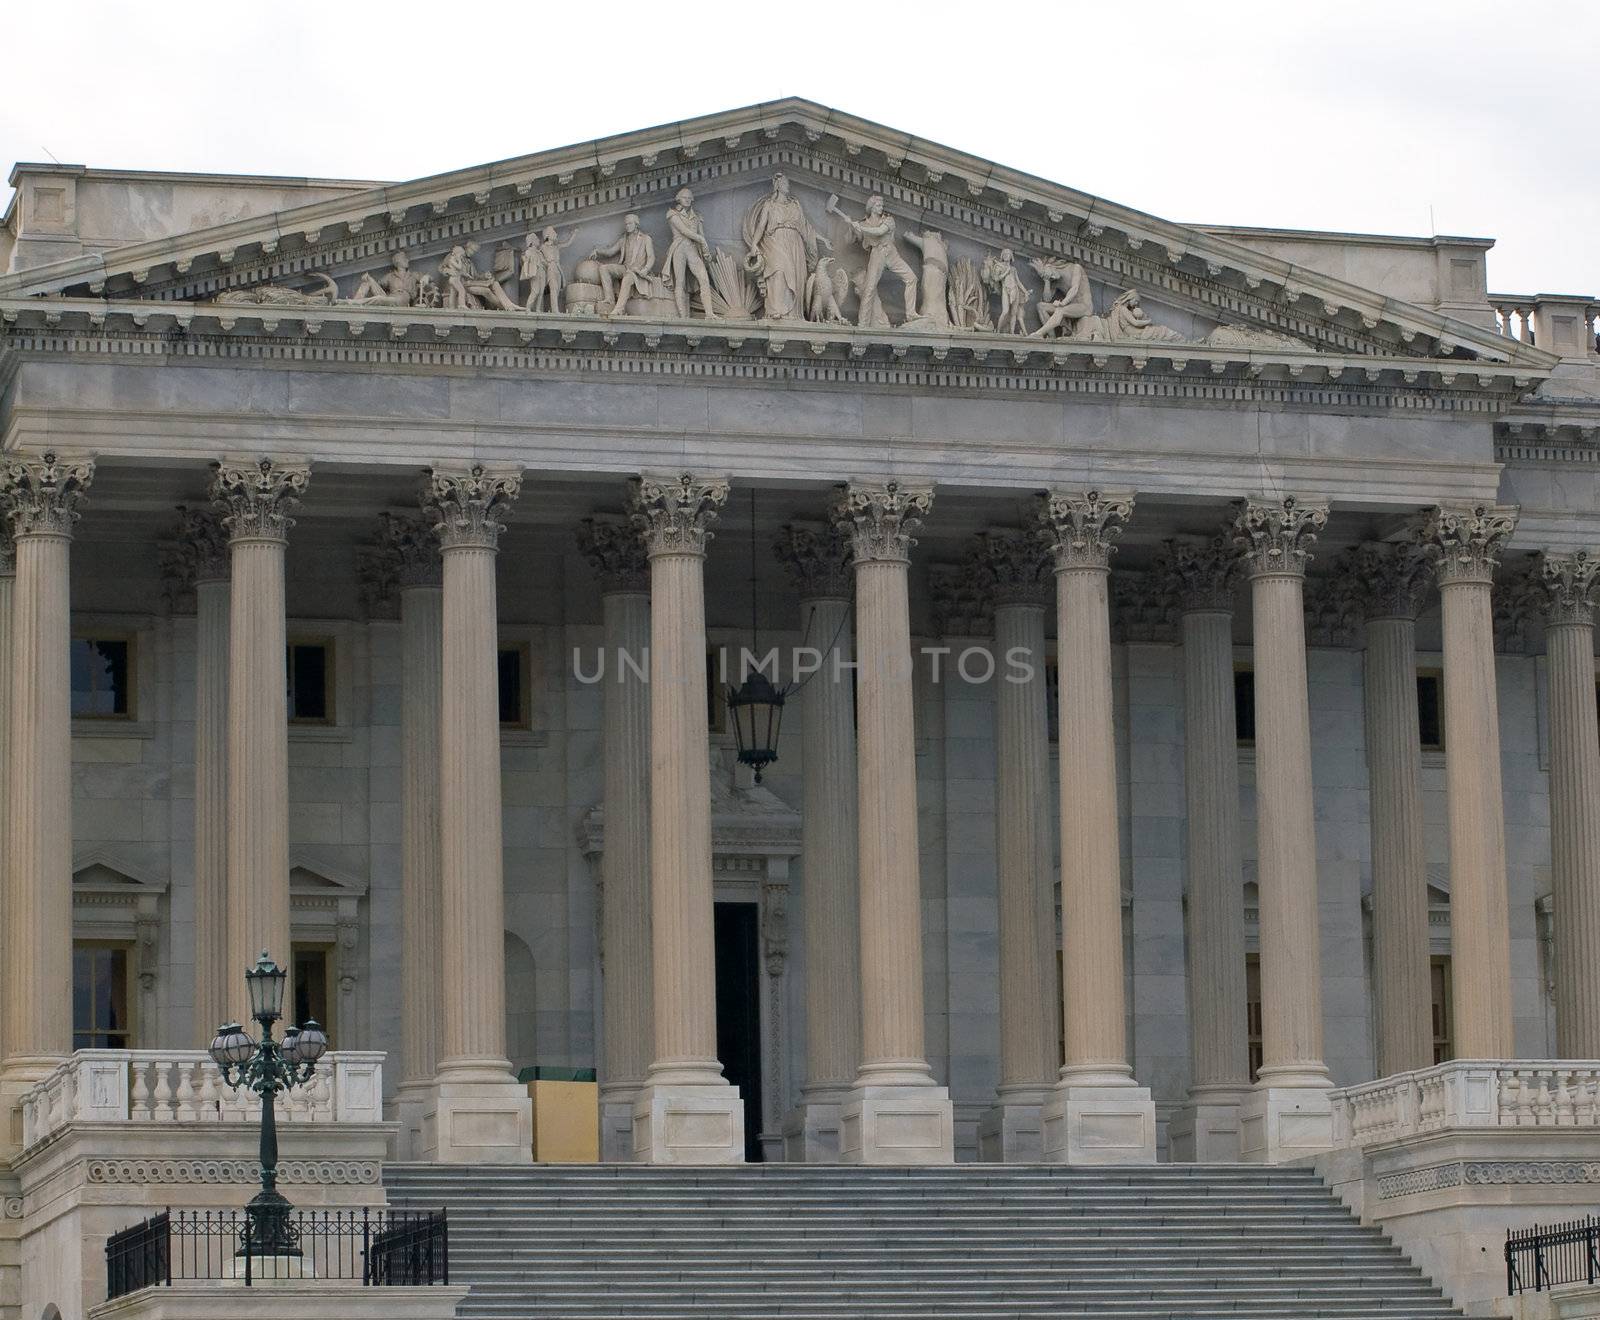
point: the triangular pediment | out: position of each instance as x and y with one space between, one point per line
1127 285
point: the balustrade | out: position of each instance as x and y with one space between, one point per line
1471 1093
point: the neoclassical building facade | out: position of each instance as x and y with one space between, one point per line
1189 631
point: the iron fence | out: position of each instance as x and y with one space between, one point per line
377 1247
1549 1254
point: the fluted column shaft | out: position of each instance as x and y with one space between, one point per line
1574 801
625 865
1023 846
421 858
1400 980
1218 1045
254 501
1464 542
214 970
40 498
8 570
831 902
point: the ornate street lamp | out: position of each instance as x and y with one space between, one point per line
266 1067
756 705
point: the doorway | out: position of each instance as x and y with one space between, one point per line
739 1011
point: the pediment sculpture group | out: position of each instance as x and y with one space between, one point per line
784 271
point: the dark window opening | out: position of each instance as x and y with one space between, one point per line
1244 706
102 678
515 710
100 997
1252 1012
310 670
1430 713
310 985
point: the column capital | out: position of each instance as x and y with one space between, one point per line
962 604
675 515
1384 579
616 554
1567 581
1080 531
1012 568
466 504
1273 536
8 550
254 500
408 548
197 553
1463 541
40 495
1200 575
880 517
818 560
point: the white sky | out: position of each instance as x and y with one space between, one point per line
1476 117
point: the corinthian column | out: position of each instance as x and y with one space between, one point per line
894 1114
617 556
408 551
1568 601
8 577
1202 579
478 1112
1392 582
1289 1113
686 1113
1096 1113
1013 573
201 563
818 561
40 497
1463 544
254 501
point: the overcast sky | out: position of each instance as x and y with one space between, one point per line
1407 117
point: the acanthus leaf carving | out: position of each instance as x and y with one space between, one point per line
254 500
1384 579
1464 541
1200 575
675 515
881 517
40 496
818 560
1013 568
197 553
961 605
1080 530
1274 536
1568 583
466 504
616 554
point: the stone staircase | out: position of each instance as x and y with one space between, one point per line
812 1241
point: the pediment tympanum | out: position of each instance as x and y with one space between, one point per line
791 224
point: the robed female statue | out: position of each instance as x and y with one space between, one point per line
781 247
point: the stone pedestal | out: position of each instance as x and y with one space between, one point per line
1282 1123
476 1111
1012 1132
811 1128
893 1114
1206 1129
686 1113
1096 1113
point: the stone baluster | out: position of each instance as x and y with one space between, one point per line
818 560
1463 543
255 501
1096 1113
408 555
1013 574
617 556
1568 582
686 1113
40 497
894 1113
477 1110
1389 583
198 563
1288 1114
1202 578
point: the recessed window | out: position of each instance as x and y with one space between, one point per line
310 669
1430 714
313 973
1252 1012
1052 697
100 1019
1443 1044
1244 705
515 699
102 678
716 690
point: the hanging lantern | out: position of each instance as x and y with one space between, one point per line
756 708
265 982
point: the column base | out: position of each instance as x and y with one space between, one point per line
1205 1130
616 1123
410 1107
1099 1124
811 1129
688 1123
477 1121
897 1125
1012 1132
1281 1123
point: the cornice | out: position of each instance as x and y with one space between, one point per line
845 150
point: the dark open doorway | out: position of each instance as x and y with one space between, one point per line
739 1011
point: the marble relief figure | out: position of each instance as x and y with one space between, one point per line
781 248
875 232
1126 320
1000 275
935 276
468 288
1061 314
826 288
627 272
541 268
687 255
399 288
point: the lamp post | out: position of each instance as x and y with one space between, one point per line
266 1067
